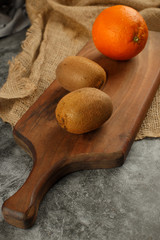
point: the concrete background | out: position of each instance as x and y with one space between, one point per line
108 204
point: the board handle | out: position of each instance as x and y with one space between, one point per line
21 209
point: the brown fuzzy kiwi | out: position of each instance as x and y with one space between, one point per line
83 110
77 72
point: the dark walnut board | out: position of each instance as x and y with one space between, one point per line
131 85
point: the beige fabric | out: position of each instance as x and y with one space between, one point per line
61 28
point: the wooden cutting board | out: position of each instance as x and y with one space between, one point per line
131 85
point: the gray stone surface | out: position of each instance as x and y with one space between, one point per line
113 204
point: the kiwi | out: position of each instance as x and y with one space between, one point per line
77 72
83 110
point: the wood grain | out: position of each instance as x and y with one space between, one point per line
131 85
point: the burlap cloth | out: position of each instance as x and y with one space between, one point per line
61 28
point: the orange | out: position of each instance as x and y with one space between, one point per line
119 32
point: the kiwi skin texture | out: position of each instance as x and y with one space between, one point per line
76 72
83 110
